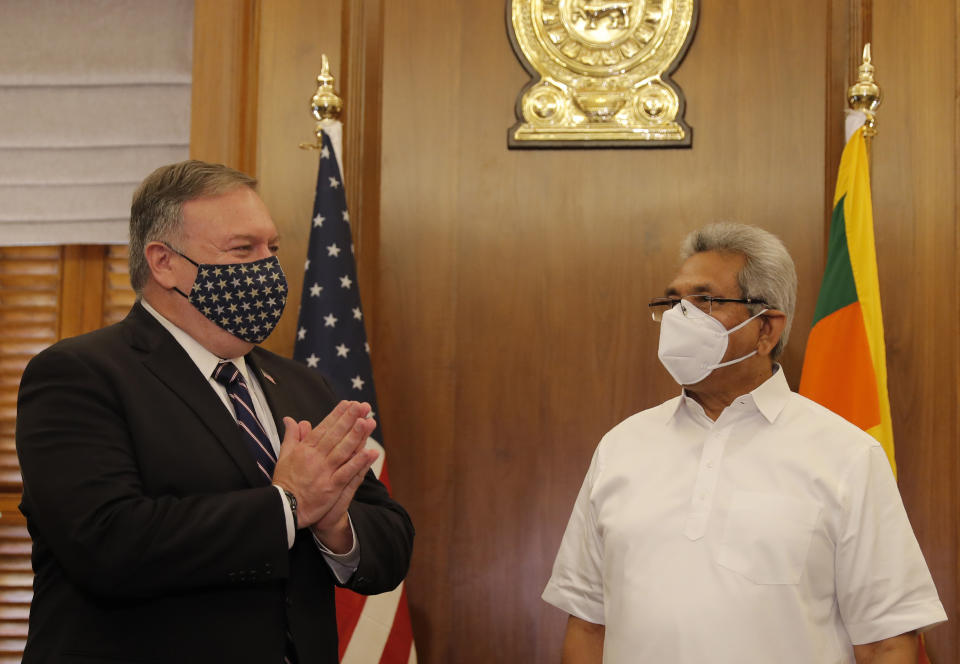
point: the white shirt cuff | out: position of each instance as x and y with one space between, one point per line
343 565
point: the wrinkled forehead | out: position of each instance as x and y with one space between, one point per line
220 218
708 273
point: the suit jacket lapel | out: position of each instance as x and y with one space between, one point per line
272 390
167 360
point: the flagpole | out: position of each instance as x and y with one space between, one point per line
865 95
325 105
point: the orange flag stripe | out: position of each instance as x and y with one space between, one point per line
838 366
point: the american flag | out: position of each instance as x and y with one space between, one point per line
331 339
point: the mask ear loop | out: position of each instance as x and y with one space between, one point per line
180 254
731 331
186 258
737 327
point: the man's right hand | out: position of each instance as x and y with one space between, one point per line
322 466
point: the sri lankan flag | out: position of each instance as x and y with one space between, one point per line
845 366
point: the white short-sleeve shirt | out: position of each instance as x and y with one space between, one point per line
775 534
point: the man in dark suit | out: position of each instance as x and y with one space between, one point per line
183 509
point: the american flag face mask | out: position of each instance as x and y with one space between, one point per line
245 299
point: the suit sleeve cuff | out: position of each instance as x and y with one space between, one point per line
343 565
288 516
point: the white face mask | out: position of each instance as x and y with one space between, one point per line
692 344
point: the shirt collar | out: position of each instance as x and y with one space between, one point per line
770 397
205 360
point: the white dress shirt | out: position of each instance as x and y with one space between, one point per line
342 565
774 534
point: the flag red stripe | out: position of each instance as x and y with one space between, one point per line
397 648
349 608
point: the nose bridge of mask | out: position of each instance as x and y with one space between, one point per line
695 313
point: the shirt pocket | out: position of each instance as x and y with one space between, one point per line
767 536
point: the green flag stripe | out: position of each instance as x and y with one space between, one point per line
838 288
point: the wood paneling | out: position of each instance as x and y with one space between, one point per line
512 329
81 290
223 117
363 84
30 282
915 192
118 296
294 35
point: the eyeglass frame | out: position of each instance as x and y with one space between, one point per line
709 299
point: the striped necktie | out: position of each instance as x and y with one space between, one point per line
252 431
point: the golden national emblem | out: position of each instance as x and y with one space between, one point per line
600 72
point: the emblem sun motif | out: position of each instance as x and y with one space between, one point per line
602 67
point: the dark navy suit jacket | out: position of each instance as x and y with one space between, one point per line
155 538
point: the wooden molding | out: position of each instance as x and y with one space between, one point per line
81 289
363 96
223 120
850 27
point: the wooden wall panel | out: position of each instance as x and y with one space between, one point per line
223 112
915 192
362 85
294 35
512 328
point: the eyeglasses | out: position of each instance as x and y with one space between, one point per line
704 303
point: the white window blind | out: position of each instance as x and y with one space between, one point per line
94 94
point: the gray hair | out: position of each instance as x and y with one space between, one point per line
767 274
156 213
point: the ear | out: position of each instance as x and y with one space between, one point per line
161 259
771 329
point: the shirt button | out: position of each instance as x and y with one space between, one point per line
709 464
703 496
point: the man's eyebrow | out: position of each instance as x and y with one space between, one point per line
251 239
699 288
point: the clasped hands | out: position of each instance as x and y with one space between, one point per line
322 467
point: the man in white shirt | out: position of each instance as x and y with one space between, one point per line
738 522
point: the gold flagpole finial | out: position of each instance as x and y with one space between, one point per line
864 95
325 104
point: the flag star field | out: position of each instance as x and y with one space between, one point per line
330 332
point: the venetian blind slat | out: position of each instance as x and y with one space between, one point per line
29 291
118 296
16 586
29 288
